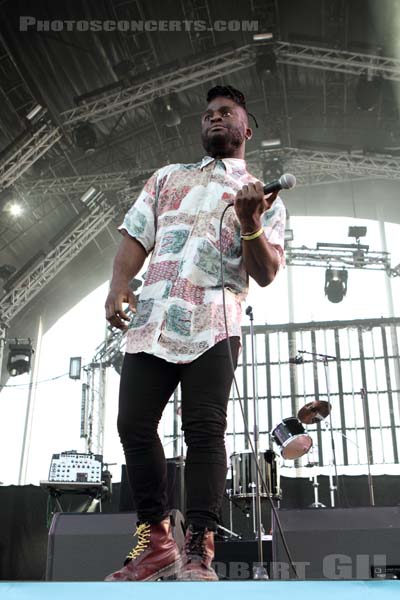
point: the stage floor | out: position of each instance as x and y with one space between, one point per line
300 590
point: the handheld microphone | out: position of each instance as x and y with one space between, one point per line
287 181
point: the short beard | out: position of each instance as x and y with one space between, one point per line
223 145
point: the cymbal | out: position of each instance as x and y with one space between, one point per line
313 412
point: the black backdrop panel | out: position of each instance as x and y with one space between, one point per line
23 509
337 543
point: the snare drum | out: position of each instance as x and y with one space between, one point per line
244 474
292 438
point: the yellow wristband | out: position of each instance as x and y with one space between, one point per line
252 236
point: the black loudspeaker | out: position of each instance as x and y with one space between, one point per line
89 546
338 543
235 560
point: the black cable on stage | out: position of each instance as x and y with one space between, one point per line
246 427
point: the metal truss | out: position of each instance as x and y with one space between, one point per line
373 165
114 181
93 408
90 223
140 94
341 61
309 166
27 152
313 167
3 339
39 142
110 348
197 73
353 257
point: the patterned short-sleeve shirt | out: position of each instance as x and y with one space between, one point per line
176 218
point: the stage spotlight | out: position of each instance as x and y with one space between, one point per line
36 116
15 210
75 366
171 117
167 109
263 37
271 143
367 92
357 231
85 137
88 194
266 64
19 357
6 271
335 284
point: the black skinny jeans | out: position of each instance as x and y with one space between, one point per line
147 383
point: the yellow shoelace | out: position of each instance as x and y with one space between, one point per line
143 533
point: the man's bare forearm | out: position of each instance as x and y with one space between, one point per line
261 259
128 261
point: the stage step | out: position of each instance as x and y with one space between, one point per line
256 590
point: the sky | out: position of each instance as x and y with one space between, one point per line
57 403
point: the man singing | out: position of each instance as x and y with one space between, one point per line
178 335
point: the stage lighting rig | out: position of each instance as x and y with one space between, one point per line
36 116
168 110
357 232
335 284
75 367
6 271
359 254
19 357
266 64
85 137
368 91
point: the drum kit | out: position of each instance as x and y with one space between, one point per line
293 442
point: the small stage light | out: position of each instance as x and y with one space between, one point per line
75 365
167 109
263 37
335 284
15 210
368 91
36 115
357 231
271 143
85 137
266 66
88 194
19 357
6 271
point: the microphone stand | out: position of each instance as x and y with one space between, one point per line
324 358
259 572
368 446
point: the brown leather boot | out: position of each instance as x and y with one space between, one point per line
198 554
155 555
